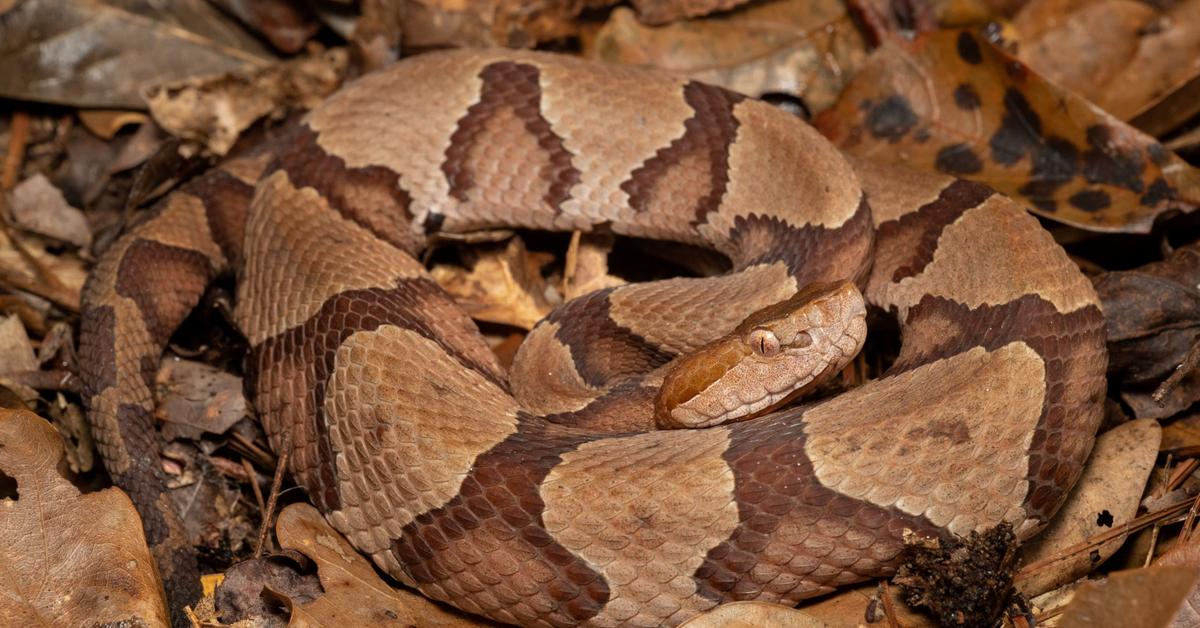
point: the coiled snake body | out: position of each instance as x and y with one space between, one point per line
508 498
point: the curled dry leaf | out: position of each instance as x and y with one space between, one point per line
1153 318
1138 598
1106 495
214 111
751 614
194 397
483 23
952 102
97 53
1185 554
505 286
68 559
40 207
1124 56
662 11
25 264
864 604
354 594
802 48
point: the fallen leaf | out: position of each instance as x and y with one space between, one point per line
1137 598
586 266
287 25
1082 46
1180 433
354 594
1153 318
69 559
657 12
105 123
39 207
240 595
214 111
1168 58
804 49
26 265
952 102
751 614
505 286
1185 554
483 23
16 353
94 53
194 397
863 604
1106 495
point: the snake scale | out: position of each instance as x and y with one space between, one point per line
502 494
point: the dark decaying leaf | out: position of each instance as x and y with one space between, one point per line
94 53
952 102
800 48
1153 319
287 25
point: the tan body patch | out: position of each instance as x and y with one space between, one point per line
1021 258
944 441
644 511
402 443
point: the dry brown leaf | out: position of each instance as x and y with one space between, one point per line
853 607
587 265
68 559
1182 432
105 123
40 207
805 49
194 397
505 286
1138 598
25 264
1127 57
354 594
1106 495
95 53
16 353
1082 45
483 23
951 102
752 614
214 111
1185 554
656 12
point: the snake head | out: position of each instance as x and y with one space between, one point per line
775 355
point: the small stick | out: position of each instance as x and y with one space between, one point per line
15 156
258 496
889 610
1185 368
1125 528
284 450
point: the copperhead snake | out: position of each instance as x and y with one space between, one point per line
504 494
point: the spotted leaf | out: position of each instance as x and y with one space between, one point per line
951 102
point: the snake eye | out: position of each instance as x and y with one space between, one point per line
763 342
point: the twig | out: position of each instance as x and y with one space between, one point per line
258 496
1181 472
1185 368
284 449
1089 543
889 610
15 155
